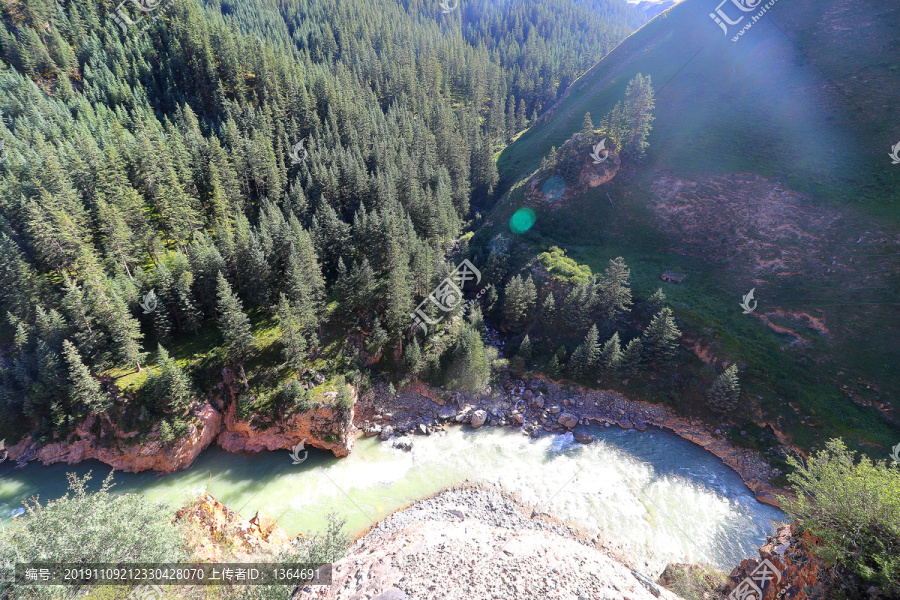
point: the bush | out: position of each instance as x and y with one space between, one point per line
295 396
854 507
87 528
557 263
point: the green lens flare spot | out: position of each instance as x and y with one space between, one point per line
522 220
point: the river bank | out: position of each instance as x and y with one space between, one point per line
480 542
537 406
540 406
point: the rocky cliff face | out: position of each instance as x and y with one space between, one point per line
325 427
121 453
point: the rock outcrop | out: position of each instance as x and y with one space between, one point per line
217 533
116 449
326 426
799 574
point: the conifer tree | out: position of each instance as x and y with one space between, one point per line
233 323
378 339
553 368
412 358
660 339
632 357
611 355
723 394
548 310
469 365
615 291
525 350
290 327
518 299
83 388
585 358
170 387
656 301
639 103
587 126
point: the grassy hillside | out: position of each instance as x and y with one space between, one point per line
767 169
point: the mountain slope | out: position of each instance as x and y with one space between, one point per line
768 170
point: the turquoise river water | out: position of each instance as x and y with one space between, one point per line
660 498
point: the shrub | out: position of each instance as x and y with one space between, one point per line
557 263
295 396
87 528
854 507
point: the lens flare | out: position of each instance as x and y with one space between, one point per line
522 220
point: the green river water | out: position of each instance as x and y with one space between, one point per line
660 497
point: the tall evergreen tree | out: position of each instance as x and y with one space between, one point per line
83 388
660 339
290 327
723 394
233 323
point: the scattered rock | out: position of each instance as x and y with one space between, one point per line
640 426
386 433
446 413
423 430
567 420
518 418
478 418
537 402
583 437
555 410
403 443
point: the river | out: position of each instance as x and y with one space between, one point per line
659 497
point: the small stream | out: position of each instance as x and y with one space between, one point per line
657 496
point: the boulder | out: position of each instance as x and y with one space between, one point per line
403 443
640 426
386 433
555 410
567 420
518 418
422 429
537 402
446 413
583 437
478 418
